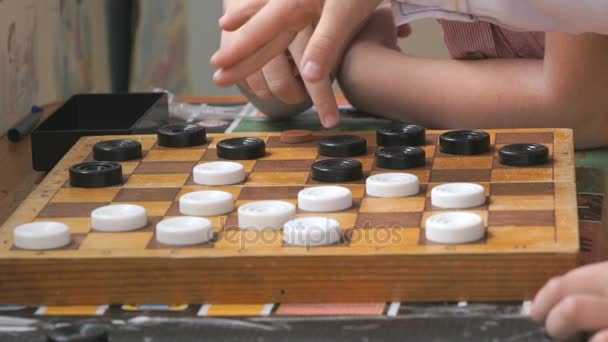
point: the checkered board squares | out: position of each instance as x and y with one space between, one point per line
530 217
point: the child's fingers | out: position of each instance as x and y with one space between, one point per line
281 81
321 93
601 336
339 22
576 314
592 280
258 86
273 20
239 13
246 67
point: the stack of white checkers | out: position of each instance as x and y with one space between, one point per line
456 227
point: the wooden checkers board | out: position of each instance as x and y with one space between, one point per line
531 217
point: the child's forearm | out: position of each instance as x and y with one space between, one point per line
486 93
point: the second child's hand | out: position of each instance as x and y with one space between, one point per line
264 29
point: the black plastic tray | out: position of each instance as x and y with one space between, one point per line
94 114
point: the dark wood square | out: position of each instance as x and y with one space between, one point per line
432 139
259 193
521 189
231 224
149 228
392 220
146 195
63 210
522 218
283 165
371 153
428 165
275 142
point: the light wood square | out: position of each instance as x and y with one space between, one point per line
112 241
174 155
522 175
78 225
78 195
366 163
242 240
390 205
515 203
277 178
156 209
384 238
521 238
291 153
157 181
147 142
463 163
429 150
129 167
482 213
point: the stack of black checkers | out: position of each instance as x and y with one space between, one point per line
524 155
96 174
465 142
181 136
337 171
117 150
401 135
342 146
241 148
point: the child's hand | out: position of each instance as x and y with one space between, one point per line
276 79
574 303
264 29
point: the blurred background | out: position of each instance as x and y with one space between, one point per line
52 49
